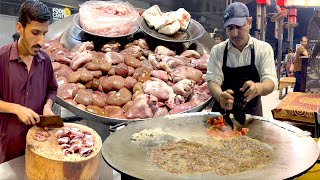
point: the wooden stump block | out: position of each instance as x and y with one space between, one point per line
45 160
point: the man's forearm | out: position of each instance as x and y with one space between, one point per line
266 87
49 103
6 107
215 90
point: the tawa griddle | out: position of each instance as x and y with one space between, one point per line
295 151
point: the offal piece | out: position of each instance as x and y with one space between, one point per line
73 140
41 135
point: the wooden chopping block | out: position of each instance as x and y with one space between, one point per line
45 160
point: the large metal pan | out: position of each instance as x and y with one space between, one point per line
111 121
295 151
71 36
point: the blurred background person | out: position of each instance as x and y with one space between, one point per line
288 60
217 38
301 51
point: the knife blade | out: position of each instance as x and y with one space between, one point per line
238 110
50 121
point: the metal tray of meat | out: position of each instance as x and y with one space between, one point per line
76 21
194 31
294 150
69 35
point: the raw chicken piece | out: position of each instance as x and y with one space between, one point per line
81 59
191 53
114 58
141 43
203 89
200 64
183 87
161 111
184 72
170 102
154 88
85 46
162 50
142 107
169 63
198 98
163 75
183 107
111 47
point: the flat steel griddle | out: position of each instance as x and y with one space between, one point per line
295 151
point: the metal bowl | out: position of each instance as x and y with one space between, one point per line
194 31
73 35
76 21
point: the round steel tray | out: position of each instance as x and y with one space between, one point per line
194 31
70 36
76 21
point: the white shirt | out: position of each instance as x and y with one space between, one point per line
263 60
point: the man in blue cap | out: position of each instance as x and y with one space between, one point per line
241 63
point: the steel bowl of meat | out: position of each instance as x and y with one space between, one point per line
173 26
112 80
190 146
107 19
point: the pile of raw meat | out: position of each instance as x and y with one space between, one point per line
73 140
129 81
111 18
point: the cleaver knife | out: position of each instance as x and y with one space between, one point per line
239 112
50 121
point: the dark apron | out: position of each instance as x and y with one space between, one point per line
234 78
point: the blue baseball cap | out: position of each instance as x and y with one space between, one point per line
236 13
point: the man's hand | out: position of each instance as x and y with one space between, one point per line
226 99
27 116
252 92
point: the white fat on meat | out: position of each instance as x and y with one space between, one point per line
166 19
184 18
152 15
171 28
